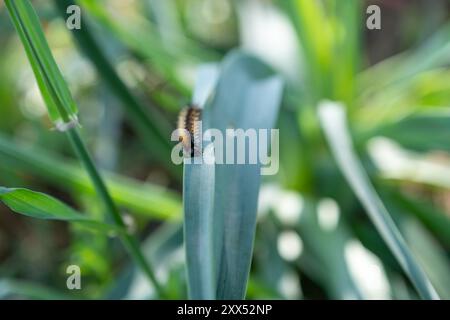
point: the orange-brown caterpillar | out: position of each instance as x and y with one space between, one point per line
189 119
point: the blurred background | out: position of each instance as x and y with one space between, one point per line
314 240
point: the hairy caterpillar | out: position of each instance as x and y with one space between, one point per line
189 120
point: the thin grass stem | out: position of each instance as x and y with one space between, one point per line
128 240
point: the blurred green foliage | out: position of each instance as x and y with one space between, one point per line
131 68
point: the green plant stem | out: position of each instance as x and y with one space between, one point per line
128 240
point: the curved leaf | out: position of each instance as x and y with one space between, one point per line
332 117
41 206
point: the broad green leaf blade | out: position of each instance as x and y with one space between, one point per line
332 118
198 193
41 206
220 200
142 198
248 96
198 201
61 107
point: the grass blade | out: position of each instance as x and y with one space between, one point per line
332 117
56 94
41 206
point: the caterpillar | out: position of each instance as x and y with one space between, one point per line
189 120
